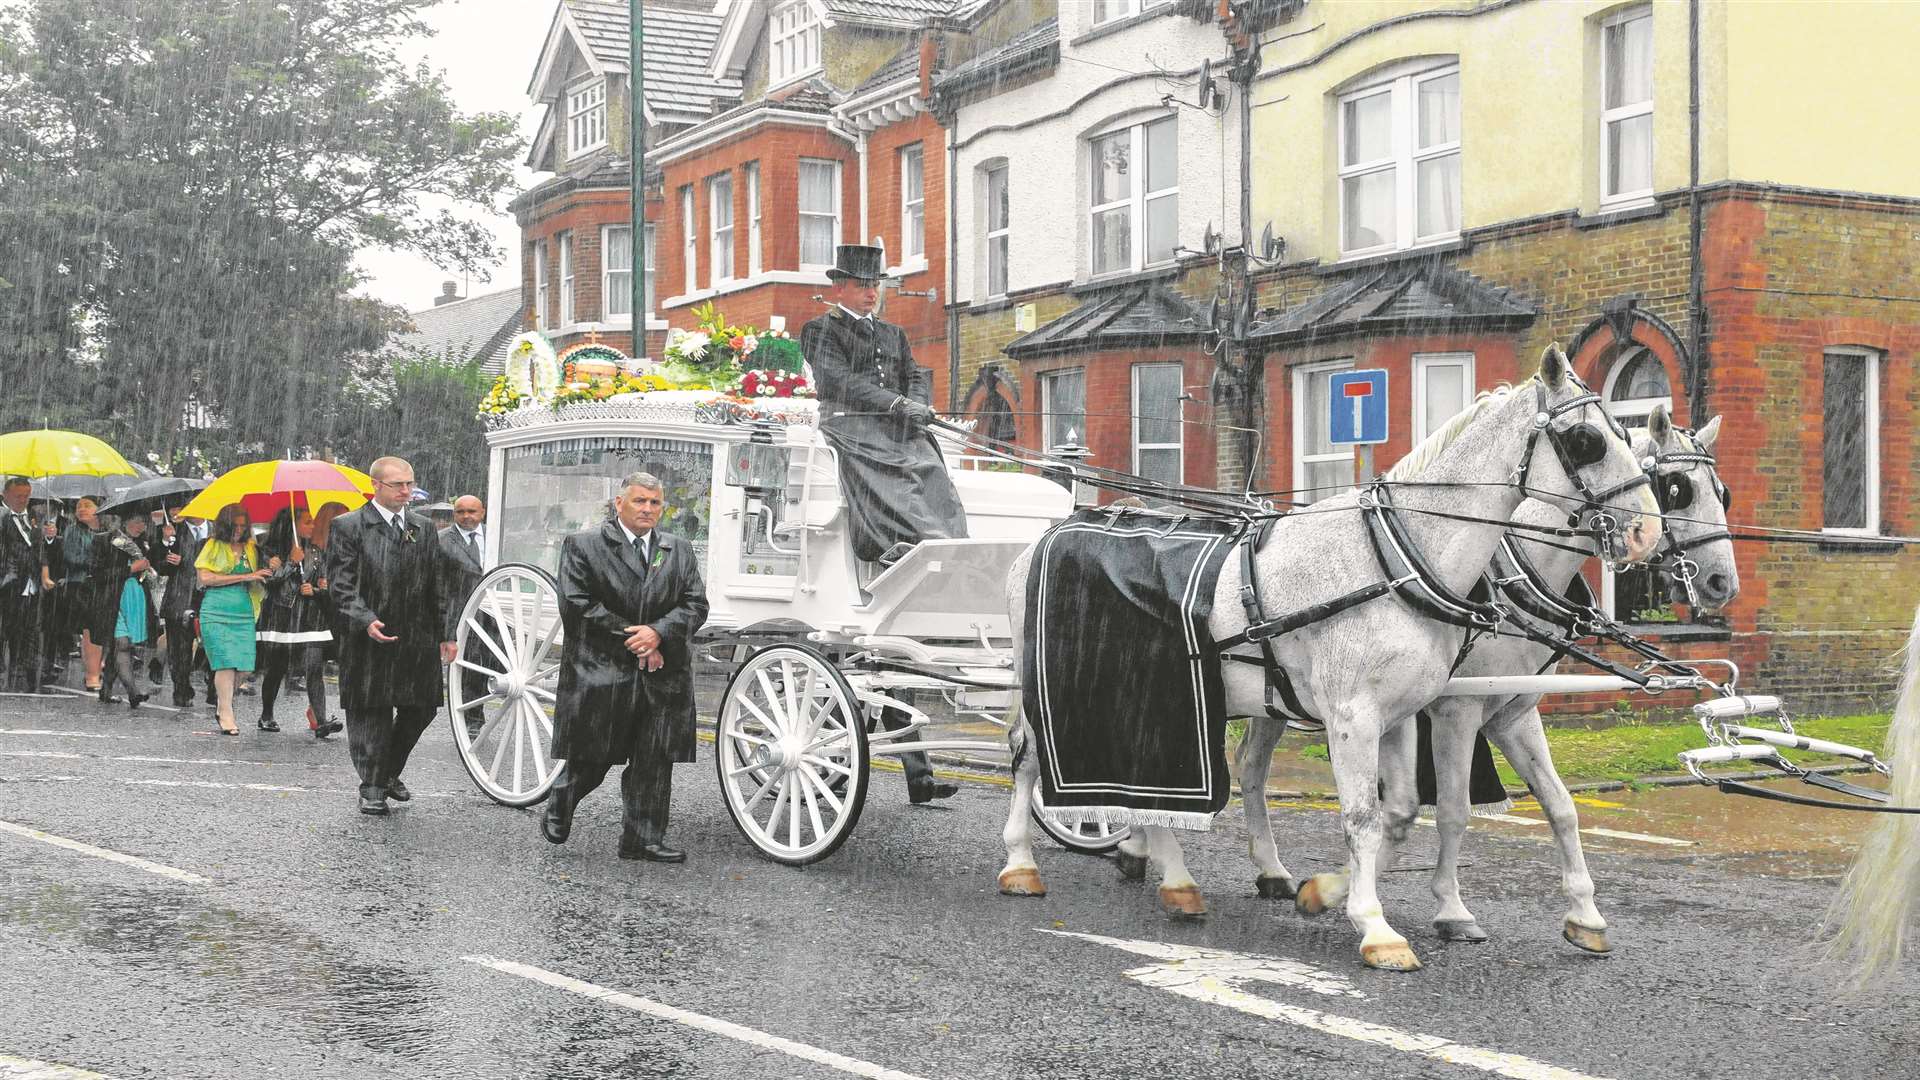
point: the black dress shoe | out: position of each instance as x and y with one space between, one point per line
555 827
398 792
327 729
134 701
267 724
107 698
373 806
931 790
653 853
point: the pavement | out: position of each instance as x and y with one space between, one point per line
179 904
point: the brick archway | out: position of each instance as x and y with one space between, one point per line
1605 340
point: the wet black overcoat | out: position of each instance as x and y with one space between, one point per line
399 581
609 711
896 484
182 596
464 571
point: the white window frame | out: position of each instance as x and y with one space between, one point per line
647 254
1136 200
802 214
1404 161
720 237
1609 117
1046 380
1106 11
609 287
540 309
1871 436
587 118
1133 438
691 239
1423 365
567 314
794 40
913 212
1302 460
1000 239
753 219
1632 413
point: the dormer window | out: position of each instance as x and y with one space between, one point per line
793 43
586 118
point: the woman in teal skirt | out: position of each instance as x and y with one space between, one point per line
231 573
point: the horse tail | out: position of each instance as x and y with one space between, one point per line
1865 926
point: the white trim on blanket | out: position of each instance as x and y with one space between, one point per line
298 637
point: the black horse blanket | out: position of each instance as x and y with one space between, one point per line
1123 688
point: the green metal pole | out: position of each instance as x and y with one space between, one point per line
637 142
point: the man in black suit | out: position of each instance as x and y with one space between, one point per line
463 548
24 584
388 586
631 599
175 545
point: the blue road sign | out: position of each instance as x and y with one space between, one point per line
1357 404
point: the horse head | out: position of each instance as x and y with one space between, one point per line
1697 552
1579 457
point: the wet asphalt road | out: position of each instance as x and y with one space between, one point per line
327 944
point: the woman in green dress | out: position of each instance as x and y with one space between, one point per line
232 574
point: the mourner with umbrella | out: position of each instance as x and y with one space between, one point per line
293 631
123 575
155 499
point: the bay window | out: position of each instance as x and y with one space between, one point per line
1399 166
1134 198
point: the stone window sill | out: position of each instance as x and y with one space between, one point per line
1681 632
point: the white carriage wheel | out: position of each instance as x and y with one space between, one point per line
1085 837
791 752
509 642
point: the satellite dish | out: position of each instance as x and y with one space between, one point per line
1243 316
1207 93
1210 241
1271 246
1213 314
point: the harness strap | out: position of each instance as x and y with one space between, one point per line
1409 573
1740 787
1279 683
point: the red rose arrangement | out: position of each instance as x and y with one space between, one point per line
778 384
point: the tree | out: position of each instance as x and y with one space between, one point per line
186 182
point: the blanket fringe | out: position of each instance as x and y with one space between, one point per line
1121 815
1476 810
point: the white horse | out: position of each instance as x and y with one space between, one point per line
1368 669
1696 529
1866 924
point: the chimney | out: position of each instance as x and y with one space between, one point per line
449 292
929 62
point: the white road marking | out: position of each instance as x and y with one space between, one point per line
17 1068
695 1020
62 734
1212 976
213 784
1592 830
124 859
154 760
92 693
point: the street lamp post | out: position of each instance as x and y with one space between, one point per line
637 144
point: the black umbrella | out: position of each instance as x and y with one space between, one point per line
150 495
87 486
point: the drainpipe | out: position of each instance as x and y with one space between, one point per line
637 150
1249 380
860 149
1696 269
953 271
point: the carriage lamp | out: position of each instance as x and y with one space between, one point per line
1067 476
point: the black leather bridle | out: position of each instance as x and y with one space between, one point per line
1674 491
1578 447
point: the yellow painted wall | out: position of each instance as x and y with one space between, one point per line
1825 94
1529 75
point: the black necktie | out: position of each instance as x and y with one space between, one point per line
398 532
640 545
473 543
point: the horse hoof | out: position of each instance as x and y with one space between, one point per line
1315 896
1460 930
1183 902
1390 956
1586 938
1132 867
1275 888
1022 881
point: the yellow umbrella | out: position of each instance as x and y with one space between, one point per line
265 488
35 454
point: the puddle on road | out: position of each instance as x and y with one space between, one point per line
1747 833
267 965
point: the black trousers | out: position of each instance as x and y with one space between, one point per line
308 661
381 739
646 789
20 634
183 660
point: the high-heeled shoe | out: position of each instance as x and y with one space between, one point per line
224 729
267 724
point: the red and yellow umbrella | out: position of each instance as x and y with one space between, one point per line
264 488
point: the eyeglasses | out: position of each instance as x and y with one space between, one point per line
395 483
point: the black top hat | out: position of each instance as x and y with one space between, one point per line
861 261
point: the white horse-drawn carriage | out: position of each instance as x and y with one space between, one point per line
830 653
832 656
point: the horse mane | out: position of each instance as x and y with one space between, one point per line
1424 455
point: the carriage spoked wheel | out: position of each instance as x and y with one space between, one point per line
503 683
1086 837
791 751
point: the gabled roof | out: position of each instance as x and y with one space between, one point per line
1396 299
678 44
477 327
904 65
1038 46
1122 318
